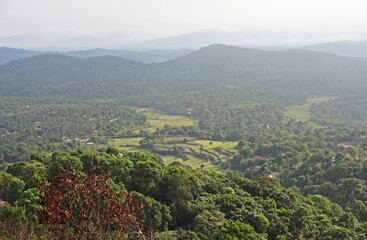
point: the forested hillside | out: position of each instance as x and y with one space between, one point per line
291 72
149 56
49 125
175 202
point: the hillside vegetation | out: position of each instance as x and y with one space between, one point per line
175 202
292 73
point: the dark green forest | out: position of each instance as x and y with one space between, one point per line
181 203
285 178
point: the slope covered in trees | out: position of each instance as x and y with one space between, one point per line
28 125
149 56
291 72
177 202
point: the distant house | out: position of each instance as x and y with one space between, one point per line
274 175
345 145
257 157
362 183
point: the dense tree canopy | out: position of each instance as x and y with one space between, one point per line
181 202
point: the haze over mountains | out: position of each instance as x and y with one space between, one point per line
115 72
190 40
342 48
66 43
10 54
210 68
162 49
195 40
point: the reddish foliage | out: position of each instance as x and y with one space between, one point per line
85 202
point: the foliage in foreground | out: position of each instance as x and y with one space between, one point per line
179 203
84 202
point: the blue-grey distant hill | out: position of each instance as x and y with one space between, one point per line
150 56
195 40
10 54
342 48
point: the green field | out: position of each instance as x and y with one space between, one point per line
302 112
158 119
126 144
201 153
193 162
214 144
155 120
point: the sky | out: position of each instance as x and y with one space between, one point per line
137 20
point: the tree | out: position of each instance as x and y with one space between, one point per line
157 216
10 187
144 176
336 233
236 230
206 223
84 203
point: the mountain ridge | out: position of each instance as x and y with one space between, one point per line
212 67
10 54
356 49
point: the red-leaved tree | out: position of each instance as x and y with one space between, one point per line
84 205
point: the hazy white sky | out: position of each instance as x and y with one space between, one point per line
158 18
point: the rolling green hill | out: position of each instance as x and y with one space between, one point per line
214 67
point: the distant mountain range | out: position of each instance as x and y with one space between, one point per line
159 55
150 56
191 40
10 54
342 48
156 50
218 67
196 40
67 43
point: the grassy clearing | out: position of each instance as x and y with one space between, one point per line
214 144
125 144
155 120
221 151
193 162
158 119
198 151
302 112
125 141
